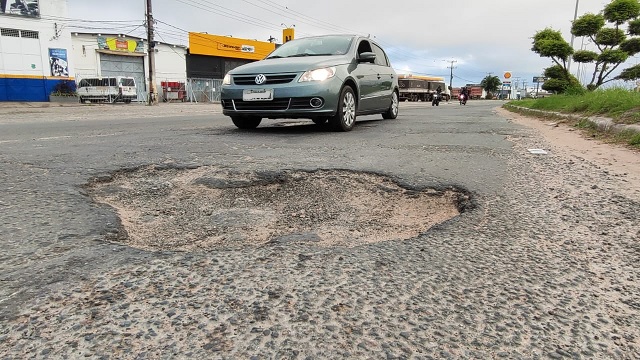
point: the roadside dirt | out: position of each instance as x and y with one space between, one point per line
616 159
205 208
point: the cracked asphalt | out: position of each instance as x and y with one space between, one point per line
543 265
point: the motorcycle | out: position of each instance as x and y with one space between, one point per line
435 101
463 99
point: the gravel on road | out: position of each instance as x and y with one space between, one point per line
546 267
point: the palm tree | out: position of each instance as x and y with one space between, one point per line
491 84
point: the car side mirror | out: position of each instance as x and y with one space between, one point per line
367 57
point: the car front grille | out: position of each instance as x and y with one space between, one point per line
300 103
275 104
272 79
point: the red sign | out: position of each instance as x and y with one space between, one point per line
122 45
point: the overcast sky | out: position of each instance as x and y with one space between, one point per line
420 36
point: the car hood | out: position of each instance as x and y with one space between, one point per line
294 64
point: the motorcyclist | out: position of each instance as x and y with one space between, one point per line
465 91
438 92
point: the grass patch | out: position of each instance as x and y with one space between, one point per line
631 138
621 105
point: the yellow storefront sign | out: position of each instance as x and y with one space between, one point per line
225 46
119 44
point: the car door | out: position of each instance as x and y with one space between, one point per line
385 77
366 75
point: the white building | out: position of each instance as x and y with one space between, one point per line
34 50
102 55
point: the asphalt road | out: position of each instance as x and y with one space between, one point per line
502 269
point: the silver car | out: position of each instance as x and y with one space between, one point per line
331 78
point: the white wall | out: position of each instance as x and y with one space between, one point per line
84 55
48 38
170 60
171 63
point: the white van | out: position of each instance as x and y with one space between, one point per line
107 89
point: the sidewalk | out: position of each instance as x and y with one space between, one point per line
39 111
603 123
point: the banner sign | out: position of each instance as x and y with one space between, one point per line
58 62
241 48
29 8
117 44
230 47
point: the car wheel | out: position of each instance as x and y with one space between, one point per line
243 122
320 121
345 116
392 113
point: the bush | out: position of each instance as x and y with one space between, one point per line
65 88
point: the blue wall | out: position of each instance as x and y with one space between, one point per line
27 89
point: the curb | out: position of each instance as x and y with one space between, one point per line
602 123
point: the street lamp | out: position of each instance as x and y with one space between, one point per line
575 16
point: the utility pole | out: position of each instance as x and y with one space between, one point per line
451 78
575 16
152 61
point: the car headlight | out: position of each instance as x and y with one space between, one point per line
226 80
318 74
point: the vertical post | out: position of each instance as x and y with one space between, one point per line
451 78
151 51
575 16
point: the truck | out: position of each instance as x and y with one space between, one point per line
475 91
421 88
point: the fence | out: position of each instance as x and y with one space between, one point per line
169 90
203 90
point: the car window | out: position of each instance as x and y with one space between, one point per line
127 82
381 57
314 46
364 46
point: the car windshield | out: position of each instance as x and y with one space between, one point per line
314 46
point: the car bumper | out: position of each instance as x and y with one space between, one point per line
292 100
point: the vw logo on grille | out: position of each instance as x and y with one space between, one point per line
260 79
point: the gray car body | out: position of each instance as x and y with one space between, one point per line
373 85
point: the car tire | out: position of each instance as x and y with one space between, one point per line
392 112
244 122
345 116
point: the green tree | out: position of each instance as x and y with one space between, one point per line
490 84
559 80
614 45
549 43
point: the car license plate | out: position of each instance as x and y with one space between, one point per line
257 95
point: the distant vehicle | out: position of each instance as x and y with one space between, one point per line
435 99
475 91
463 99
421 88
107 89
331 78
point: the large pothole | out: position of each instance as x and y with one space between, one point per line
163 208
